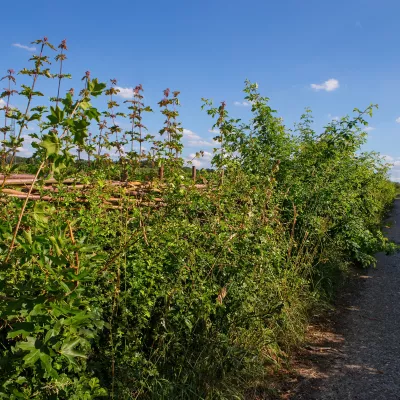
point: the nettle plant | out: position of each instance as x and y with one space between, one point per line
49 322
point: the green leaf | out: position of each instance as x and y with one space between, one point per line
41 213
28 236
33 347
32 357
21 328
56 116
46 361
96 88
84 105
51 143
93 113
35 116
29 344
68 348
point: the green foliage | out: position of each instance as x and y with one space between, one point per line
200 297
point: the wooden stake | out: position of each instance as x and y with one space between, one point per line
161 172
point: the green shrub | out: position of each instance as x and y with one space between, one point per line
197 297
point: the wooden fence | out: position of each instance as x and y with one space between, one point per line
140 193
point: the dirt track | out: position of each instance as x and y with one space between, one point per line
358 357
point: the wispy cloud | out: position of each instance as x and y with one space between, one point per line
188 134
4 104
395 169
204 161
358 25
333 117
22 46
194 140
242 104
214 131
394 172
387 157
202 143
369 128
328 86
398 120
125 93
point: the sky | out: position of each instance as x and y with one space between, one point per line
331 56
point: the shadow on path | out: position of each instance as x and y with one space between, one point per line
358 356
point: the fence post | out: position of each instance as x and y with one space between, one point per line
161 172
194 173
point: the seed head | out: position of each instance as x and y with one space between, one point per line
63 45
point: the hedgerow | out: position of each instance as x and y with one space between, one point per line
197 288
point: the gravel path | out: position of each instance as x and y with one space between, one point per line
360 360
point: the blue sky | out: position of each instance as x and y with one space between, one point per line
208 48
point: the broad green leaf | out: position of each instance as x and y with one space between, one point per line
34 117
84 105
68 348
46 361
51 143
29 344
96 88
21 328
32 357
41 213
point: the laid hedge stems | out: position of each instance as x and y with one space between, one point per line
198 299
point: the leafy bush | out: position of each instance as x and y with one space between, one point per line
197 296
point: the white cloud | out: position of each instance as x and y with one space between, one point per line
207 156
333 118
398 120
201 162
187 133
194 140
369 128
202 143
26 149
394 172
125 93
21 46
387 158
242 104
329 85
3 104
25 152
214 131
196 162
